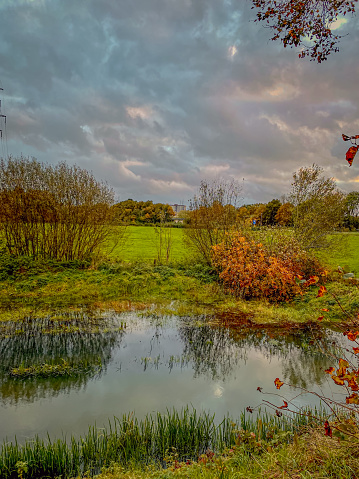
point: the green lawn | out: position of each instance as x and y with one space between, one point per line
142 242
346 254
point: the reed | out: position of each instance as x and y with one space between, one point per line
128 440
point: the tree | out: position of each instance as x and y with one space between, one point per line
270 212
212 214
142 212
351 213
318 206
52 212
305 23
284 216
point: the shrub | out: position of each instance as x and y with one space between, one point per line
52 212
249 270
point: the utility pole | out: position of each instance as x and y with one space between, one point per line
2 116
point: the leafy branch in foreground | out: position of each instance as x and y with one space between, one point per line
308 24
343 410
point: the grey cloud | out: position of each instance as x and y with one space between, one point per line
147 95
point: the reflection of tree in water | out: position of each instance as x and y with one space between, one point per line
215 351
36 342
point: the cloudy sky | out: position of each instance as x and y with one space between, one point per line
155 95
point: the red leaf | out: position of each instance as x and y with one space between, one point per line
285 405
356 350
328 430
351 154
320 318
278 383
278 413
249 409
259 389
330 370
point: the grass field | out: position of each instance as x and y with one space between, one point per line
142 242
347 253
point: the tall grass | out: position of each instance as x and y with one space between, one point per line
129 440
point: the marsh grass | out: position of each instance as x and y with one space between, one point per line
128 441
308 455
63 368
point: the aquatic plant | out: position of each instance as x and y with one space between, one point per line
128 440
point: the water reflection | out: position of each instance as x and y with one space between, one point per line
47 340
216 351
151 365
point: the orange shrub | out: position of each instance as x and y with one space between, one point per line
248 270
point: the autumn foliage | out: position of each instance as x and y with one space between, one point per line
249 270
306 24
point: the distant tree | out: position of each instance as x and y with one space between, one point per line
318 206
258 212
351 213
305 23
212 214
242 215
284 216
142 212
270 212
58 212
352 203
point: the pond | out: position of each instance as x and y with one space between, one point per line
129 363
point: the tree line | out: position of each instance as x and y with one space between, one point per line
142 212
64 213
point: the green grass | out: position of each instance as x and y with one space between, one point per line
63 368
181 287
127 441
346 254
141 243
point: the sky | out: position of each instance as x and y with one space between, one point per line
154 96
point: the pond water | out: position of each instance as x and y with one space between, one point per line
148 364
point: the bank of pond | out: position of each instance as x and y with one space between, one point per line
81 390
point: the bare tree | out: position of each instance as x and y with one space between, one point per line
212 214
58 212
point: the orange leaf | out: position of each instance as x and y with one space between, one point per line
325 309
352 383
330 370
356 350
352 335
285 405
321 291
311 280
278 383
338 381
352 399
